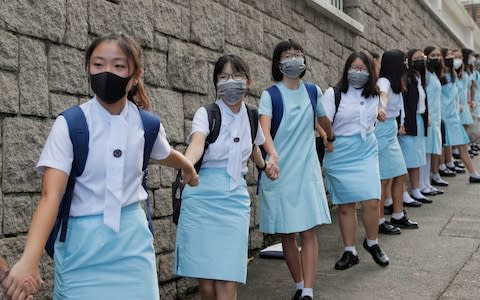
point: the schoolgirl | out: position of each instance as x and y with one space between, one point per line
296 202
212 232
455 134
466 114
433 145
352 167
108 252
412 142
391 162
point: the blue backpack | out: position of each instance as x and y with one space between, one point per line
277 112
79 135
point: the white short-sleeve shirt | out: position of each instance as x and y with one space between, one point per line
395 101
356 114
233 125
90 188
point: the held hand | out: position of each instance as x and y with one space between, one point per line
401 130
190 176
328 146
381 116
22 282
272 171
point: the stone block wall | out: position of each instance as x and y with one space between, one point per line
42 48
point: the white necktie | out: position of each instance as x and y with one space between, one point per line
234 165
114 174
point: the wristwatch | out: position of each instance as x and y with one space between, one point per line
264 166
332 139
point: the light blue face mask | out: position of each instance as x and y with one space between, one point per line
292 67
231 91
357 79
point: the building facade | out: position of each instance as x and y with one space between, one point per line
42 49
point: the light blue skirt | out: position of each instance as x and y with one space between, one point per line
466 116
390 155
98 263
212 232
434 139
352 169
455 134
413 147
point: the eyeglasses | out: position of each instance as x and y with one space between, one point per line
291 55
234 76
358 69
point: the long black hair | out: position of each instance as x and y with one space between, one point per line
393 68
453 73
412 73
466 53
370 88
438 72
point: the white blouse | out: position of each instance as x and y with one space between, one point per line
395 101
224 152
421 97
108 182
356 114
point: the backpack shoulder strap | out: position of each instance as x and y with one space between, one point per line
78 132
277 109
214 123
79 136
151 127
252 112
338 98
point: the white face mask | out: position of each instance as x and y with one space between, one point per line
457 63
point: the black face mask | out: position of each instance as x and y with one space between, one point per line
449 62
418 65
108 87
434 64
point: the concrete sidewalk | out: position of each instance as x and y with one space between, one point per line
441 260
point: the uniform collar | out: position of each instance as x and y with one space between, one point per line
105 115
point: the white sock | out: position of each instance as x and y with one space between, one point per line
450 164
299 285
351 249
474 174
388 202
436 177
307 292
398 216
442 167
455 150
416 193
425 174
370 243
381 221
407 198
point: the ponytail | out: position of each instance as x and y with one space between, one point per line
138 95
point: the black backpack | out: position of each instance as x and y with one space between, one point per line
214 124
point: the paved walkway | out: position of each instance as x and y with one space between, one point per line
441 260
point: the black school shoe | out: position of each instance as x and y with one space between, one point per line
404 223
422 200
387 228
297 295
447 173
347 260
377 254
414 203
438 183
306 298
459 164
388 210
474 179
456 169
